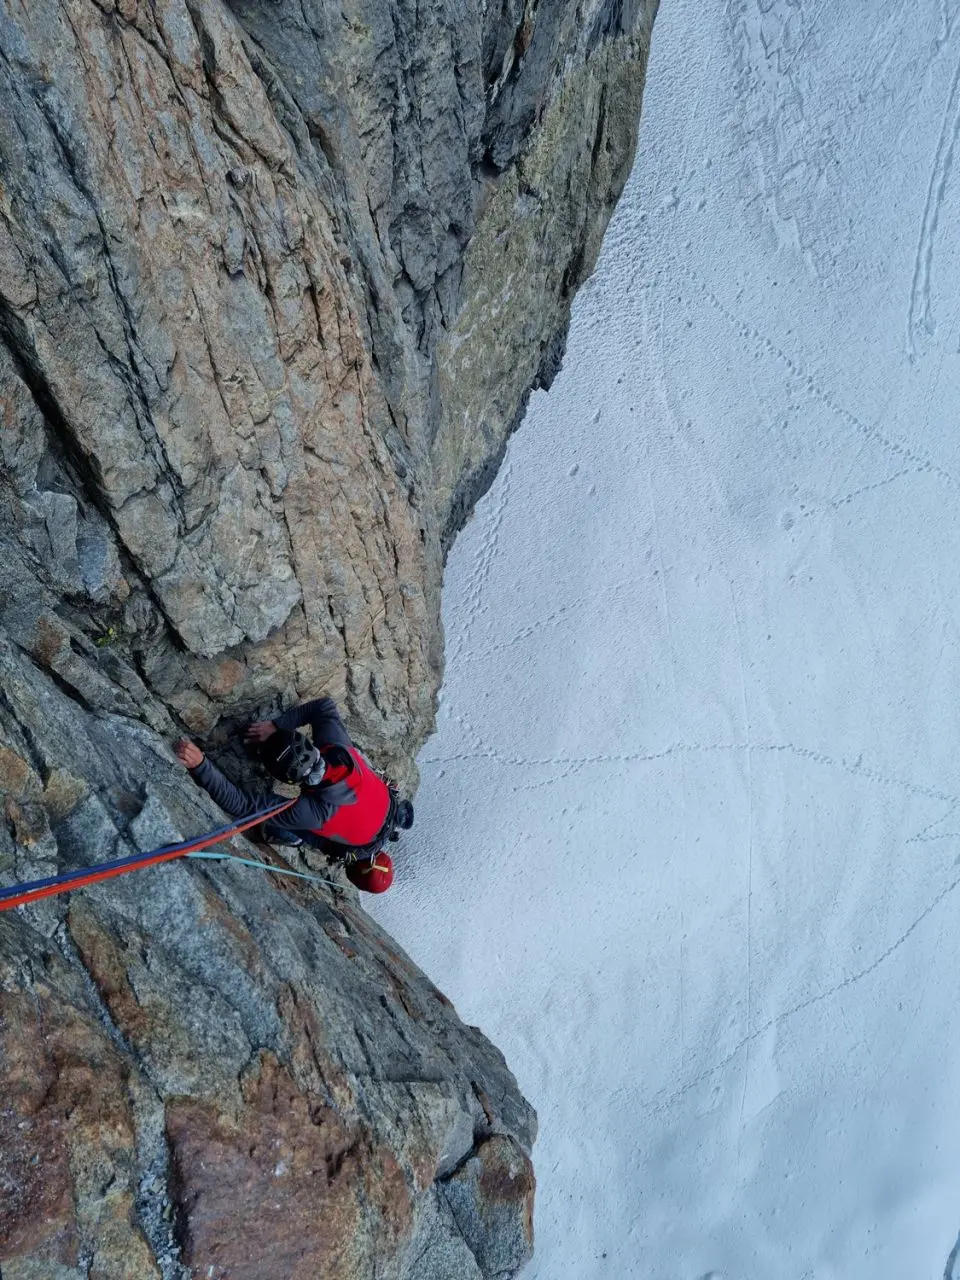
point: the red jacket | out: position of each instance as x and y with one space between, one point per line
365 802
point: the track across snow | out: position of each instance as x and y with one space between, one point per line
688 840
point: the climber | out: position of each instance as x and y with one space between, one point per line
344 808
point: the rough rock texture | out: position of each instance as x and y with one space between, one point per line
206 1070
276 278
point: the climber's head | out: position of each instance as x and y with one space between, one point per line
289 756
372 875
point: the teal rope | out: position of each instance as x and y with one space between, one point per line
265 866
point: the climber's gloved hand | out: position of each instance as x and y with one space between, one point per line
188 753
260 730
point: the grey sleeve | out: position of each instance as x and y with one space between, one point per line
323 718
308 814
231 798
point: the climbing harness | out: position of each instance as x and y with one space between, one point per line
18 895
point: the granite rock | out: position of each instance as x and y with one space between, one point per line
276 281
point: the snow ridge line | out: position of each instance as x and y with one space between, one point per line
922 837
573 764
834 504
550 620
483 563
748 1018
920 461
658 1104
919 321
946 25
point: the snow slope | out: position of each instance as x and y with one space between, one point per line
689 830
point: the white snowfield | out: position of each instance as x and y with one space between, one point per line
688 840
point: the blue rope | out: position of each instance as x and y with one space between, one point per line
66 878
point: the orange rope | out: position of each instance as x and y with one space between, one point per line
18 895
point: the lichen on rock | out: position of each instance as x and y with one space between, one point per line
275 283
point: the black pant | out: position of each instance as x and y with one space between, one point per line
285 836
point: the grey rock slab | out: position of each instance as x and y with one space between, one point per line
276 281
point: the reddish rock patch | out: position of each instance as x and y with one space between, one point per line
286 1191
36 1191
220 678
66 1132
104 962
507 1178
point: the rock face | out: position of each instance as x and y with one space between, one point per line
209 1071
276 279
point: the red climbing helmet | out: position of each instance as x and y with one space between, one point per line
372 875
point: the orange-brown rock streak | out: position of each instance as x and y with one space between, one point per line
67 1159
284 1190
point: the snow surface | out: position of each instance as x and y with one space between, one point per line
688 834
